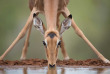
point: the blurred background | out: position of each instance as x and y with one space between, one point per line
92 17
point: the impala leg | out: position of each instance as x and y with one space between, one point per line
80 34
65 55
24 51
21 34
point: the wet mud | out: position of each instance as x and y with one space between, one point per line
42 62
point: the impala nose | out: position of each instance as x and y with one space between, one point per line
50 65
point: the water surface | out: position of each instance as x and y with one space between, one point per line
57 70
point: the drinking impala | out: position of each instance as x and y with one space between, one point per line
52 9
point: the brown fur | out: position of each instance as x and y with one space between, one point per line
49 31
40 5
51 49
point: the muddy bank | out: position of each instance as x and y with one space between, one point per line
42 62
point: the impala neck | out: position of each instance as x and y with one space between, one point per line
50 9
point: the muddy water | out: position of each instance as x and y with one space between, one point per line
57 70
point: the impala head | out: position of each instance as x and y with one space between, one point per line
52 40
51 43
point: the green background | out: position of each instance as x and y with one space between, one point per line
92 17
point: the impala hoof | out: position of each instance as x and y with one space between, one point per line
106 61
1 58
23 58
66 58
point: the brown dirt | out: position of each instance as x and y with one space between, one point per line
42 62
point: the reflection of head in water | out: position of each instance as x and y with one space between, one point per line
55 71
52 70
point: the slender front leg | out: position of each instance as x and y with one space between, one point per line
24 51
80 33
65 55
21 34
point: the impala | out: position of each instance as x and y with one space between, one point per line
52 9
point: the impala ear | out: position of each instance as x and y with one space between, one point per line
37 22
65 24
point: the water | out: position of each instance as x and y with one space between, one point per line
57 70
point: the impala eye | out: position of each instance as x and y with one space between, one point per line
44 43
59 44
